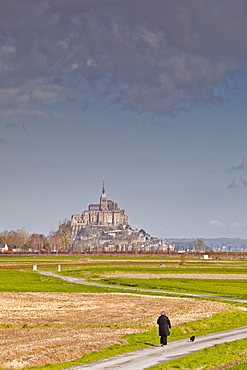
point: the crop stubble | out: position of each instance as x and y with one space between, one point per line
41 328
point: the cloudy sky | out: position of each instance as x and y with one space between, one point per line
150 95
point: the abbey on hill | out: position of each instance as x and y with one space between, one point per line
106 213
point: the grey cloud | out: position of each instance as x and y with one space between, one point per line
241 166
216 223
16 125
155 56
27 99
234 225
33 114
238 182
35 92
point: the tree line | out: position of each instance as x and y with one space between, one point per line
22 241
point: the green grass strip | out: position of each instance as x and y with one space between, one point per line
208 358
224 288
25 281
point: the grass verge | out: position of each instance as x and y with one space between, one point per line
216 357
226 288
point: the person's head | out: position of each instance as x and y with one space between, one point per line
162 313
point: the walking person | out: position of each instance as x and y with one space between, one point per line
164 326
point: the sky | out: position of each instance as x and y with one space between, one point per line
150 95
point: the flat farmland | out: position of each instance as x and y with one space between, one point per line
55 322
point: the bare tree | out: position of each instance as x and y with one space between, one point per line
201 245
37 242
21 238
64 230
7 237
54 241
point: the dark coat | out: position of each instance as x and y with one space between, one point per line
164 325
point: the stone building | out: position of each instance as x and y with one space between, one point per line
106 213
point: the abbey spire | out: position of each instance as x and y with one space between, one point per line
103 199
103 194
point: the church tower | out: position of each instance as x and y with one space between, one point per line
103 199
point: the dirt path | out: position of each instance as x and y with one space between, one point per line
83 281
155 355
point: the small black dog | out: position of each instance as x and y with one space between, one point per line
192 338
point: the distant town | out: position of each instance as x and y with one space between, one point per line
105 228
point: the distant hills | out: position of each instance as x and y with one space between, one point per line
217 244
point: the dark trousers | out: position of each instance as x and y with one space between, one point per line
163 339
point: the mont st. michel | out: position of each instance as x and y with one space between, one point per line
104 227
104 214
